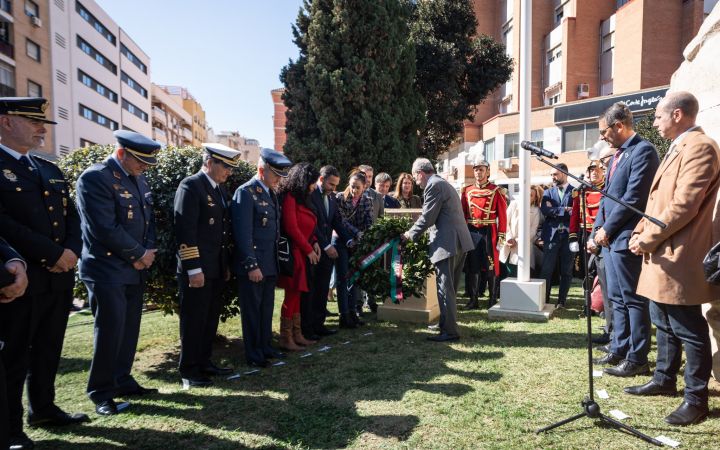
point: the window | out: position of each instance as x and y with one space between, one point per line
6 5
34 89
85 143
553 100
96 55
129 107
132 58
7 80
580 137
489 148
32 9
93 84
97 118
512 145
95 23
133 84
536 137
32 50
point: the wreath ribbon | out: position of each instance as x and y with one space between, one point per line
396 267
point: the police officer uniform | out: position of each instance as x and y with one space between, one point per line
39 219
118 227
255 215
485 209
203 232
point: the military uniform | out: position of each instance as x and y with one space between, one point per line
204 236
39 219
255 215
118 227
485 209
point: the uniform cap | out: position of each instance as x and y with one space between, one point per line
479 161
277 162
223 153
141 147
28 107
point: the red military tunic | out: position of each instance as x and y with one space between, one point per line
591 205
486 206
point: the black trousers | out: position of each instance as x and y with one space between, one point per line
3 408
316 304
257 301
200 310
33 329
480 267
118 310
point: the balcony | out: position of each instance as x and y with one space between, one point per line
159 133
7 49
159 115
187 134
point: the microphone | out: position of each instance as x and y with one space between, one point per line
538 151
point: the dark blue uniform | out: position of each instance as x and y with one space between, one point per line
118 227
202 228
39 219
256 229
555 236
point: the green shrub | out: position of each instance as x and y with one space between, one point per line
174 164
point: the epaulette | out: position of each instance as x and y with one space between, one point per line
502 190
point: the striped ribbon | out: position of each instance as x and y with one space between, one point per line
396 266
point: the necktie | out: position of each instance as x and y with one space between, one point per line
326 202
616 159
219 194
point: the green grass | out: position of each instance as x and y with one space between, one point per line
392 389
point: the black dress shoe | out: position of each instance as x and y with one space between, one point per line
610 358
20 442
603 348
687 414
628 369
57 418
274 354
196 382
601 340
472 304
109 407
311 336
260 364
212 369
139 391
324 331
443 337
652 388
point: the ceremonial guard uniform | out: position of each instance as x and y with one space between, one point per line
485 210
118 230
204 236
39 219
584 209
256 229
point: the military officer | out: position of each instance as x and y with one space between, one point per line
118 231
256 228
39 219
203 231
485 207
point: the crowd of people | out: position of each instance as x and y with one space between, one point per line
291 227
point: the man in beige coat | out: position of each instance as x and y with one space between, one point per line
683 196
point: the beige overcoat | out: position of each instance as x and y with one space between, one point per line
684 196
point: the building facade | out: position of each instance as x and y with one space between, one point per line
279 118
25 58
171 124
101 78
199 126
249 148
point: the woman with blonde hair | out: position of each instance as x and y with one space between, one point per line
509 252
404 192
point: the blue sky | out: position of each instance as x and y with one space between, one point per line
228 53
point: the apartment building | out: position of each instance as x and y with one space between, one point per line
279 118
199 126
171 124
25 62
586 55
249 148
101 77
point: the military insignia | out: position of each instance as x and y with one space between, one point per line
264 203
126 195
117 187
55 180
10 175
117 175
259 190
64 202
148 194
130 215
254 197
264 221
212 221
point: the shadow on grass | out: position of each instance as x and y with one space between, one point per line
70 365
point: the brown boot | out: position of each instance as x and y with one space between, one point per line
286 336
297 332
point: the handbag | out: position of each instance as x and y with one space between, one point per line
285 257
711 265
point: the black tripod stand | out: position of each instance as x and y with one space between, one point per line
590 408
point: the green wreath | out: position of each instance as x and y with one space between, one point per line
375 279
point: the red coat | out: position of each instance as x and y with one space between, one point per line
486 206
298 224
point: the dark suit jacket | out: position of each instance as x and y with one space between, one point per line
256 229
202 226
630 181
118 223
39 219
553 208
326 223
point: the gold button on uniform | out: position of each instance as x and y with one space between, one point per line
46 193
19 189
109 253
55 224
50 208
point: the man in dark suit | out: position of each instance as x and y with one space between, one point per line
118 230
14 271
39 219
630 174
383 183
328 220
556 206
255 215
203 232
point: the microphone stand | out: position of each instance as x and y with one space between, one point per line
590 407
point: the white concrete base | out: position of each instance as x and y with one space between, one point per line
521 300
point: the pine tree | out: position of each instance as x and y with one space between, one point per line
456 68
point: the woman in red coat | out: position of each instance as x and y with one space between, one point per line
298 224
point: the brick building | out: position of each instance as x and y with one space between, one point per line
279 119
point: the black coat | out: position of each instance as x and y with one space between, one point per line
326 223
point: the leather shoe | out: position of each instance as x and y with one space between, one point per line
324 331
628 369
20 442
212 369
110 408
603 348
652 388
196 382
57 418
610 358
312 336
274 354
472 304
687 414
443 337
602 339
260 364
139 391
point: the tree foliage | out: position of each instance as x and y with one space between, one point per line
644 127
456 68
174 164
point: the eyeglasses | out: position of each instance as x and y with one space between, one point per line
602 133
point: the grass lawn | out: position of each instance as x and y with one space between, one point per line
388 389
